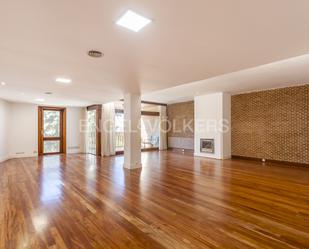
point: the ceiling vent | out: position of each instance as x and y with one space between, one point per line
95 54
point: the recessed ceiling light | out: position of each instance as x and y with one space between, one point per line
3 83
40 100
63 80
133 21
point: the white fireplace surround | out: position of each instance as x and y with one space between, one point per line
212 108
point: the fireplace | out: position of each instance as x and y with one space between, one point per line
207 145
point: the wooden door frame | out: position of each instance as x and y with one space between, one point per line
98 109
63 146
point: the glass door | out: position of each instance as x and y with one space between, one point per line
91 145
150 130
119 131
52 130
93 137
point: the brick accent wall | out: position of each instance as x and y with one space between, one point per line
272 124
177 114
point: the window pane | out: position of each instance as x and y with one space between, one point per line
51 123
119 131
150 131
119 122
52 146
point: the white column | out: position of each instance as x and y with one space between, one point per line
132 133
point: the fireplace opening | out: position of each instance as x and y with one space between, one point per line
207 145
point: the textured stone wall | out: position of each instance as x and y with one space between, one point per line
272 124
179 113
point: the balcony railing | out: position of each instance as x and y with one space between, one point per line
119 141
147 142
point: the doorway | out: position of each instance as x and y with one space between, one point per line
52 130
150 130
93 138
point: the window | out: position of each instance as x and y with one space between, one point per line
119 131
52 130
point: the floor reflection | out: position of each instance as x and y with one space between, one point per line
91 172
51 180
175 199
117 172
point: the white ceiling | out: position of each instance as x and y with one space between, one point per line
289 72
187 41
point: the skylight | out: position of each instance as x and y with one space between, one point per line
133 21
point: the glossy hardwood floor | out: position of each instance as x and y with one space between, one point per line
175 201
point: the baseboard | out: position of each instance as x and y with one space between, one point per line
227 157
180 149
206 156
3 159
256 159
210 157
74 152
22 156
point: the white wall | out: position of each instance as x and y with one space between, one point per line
23 138
4 130
75 139
210 110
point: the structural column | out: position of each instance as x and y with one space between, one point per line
132 133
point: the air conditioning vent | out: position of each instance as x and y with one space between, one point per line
95 54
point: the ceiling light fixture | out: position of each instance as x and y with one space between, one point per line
133 21
3 83
48 93
63 80
40 100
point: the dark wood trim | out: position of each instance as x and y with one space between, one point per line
150 149
147 113
40 130
153 103
52 108
143 113
62 137
93 107
52 153
64 130
270 161
98 136
150 103
52 138
98 109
